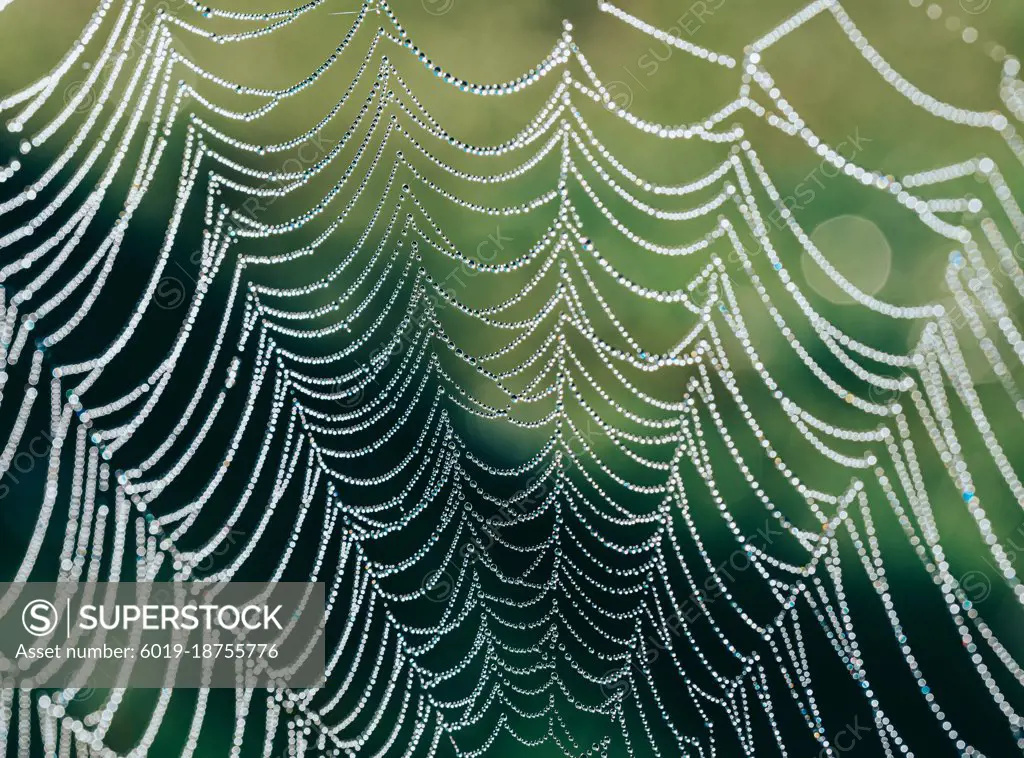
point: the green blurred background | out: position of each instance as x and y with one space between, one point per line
951 50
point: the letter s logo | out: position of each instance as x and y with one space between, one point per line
39 617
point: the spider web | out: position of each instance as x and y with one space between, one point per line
316 394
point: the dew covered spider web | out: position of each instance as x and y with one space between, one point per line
585 464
